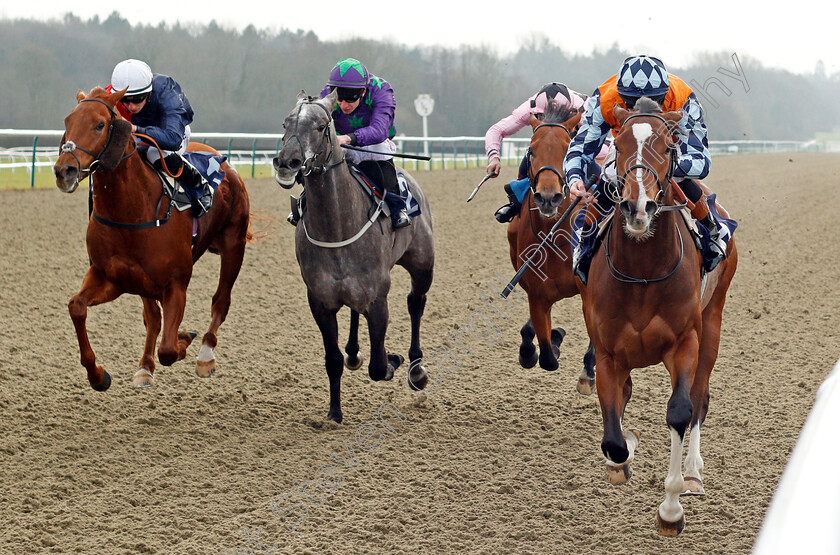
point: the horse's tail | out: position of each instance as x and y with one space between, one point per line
251 235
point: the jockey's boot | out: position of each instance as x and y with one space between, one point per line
297 208
716 251
509 211
390 184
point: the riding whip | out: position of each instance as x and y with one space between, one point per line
524 268
477 187
394 154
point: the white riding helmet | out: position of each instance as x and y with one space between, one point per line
134 74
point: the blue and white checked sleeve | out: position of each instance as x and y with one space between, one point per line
587 143
694 160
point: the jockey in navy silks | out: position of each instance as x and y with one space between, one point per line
156 106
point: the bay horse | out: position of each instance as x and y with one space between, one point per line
137 244
645 304
346 249
551 278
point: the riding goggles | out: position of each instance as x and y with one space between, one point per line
135 99
349 95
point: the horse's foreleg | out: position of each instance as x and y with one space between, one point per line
618 445
144 377
333 359
352 360
231 263
421 281
173 347
549 340
381 365
681 363
94 291
586 381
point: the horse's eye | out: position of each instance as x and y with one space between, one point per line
284 125
321 127
100 126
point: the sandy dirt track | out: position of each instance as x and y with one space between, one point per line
497 459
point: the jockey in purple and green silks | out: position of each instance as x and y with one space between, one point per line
364 117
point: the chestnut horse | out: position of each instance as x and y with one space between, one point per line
645 304
550 278
137 244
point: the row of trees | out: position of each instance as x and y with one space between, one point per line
247 81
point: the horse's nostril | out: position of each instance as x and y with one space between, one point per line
538 198
627 208
650 208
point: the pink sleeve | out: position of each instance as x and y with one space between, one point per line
505 128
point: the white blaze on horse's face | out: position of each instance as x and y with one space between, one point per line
641 132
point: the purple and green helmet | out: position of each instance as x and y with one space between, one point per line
349 73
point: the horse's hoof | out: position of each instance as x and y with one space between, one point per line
586 386
528 361
349 364
693 486
417 377
619 473
142 378
205 368
335 416
104 384
394 362
557 335
671 529
549 364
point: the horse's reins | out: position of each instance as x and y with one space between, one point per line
70 147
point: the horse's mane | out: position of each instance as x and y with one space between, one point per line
647 106
558 113
98 92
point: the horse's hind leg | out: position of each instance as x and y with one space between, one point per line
144 377
527 352
333 359
421 281
232 255
352 360
586 381
94 291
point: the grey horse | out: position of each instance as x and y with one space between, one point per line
346 248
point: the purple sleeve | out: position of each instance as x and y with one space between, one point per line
381 108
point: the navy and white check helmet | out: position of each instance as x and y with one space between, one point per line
642 76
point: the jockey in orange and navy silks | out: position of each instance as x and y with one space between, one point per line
635 80
646 76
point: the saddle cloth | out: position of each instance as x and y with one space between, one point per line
200 198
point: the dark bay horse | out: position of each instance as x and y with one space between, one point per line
138 244
645 304
550 278
346 249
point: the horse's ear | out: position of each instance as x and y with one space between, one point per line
80 95
331 98
302 96
572 123
534 121
673 120
117 95
620 114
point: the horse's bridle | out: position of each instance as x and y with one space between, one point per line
307 167
660 195
533 176
672 165
71 147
